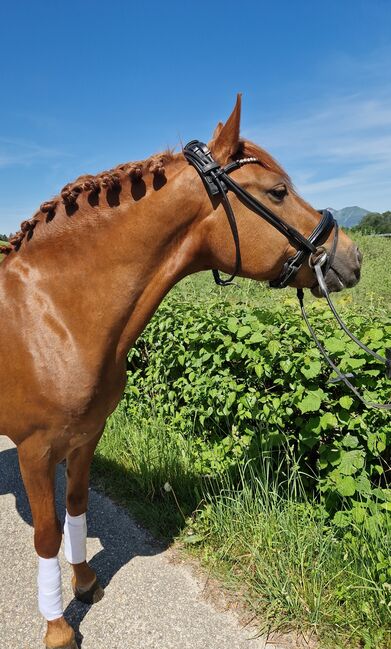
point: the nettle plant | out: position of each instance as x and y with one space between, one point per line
244 380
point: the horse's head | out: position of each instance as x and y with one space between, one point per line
264 249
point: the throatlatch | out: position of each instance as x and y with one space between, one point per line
217 183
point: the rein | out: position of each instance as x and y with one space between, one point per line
217 183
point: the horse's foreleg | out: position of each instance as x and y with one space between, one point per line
84 582
38 472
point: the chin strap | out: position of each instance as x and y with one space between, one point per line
342 377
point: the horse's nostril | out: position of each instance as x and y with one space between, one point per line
358 261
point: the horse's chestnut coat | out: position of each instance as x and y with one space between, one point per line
80 282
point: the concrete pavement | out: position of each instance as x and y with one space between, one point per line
150 602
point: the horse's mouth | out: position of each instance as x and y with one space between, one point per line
334 283
337 280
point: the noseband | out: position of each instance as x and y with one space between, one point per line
217 183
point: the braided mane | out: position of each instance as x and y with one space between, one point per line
108 180
113 179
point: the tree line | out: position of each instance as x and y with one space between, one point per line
375 223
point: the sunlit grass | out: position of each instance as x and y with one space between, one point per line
258 531
372 292
134 462
265 537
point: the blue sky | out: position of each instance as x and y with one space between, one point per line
88 84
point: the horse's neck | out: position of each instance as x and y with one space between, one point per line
104 283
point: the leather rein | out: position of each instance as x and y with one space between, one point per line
217 183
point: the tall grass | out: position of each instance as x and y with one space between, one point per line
265 537
258 530
146 466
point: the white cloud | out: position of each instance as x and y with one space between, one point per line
338 154
22 152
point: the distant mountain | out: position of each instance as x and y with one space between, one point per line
349 216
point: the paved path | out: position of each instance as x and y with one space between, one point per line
150 602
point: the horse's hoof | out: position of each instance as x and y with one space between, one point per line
73 645
90 596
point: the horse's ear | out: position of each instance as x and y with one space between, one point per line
217 131
225 142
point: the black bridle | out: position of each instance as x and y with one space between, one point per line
217 183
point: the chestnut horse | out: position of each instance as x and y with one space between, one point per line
79 284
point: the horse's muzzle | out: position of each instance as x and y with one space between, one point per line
344 271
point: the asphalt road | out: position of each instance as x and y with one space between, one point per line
150 601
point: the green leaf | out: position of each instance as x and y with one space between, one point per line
243 331
358 514
335 345
311 402
274 347
312 370
346 486
354 363
350 441
351 461
286 365
259 369
341 519
257 337
375 334
328 420
266 410
386 494
363 485
233 324
376 442
346 402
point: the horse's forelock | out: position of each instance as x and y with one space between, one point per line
248 149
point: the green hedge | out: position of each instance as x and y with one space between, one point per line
243 379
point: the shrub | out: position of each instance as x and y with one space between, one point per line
246 379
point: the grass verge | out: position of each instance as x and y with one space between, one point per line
149 469
258 532
297 570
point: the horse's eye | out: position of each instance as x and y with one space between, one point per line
278 193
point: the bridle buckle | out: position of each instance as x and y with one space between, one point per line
318 258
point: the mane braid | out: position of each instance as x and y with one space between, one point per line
112 180
109 180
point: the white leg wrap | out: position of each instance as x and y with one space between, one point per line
75 538
49 588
